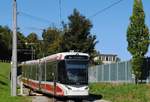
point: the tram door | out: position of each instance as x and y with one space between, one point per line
54 75
40 75
51 76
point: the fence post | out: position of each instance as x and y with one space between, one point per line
109 73
97 73
126 71
102 72
117 71
148 78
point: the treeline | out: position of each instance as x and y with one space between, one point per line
75 35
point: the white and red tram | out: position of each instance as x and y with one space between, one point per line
62 74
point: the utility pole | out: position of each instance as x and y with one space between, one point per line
14 52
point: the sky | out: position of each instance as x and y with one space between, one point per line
110 26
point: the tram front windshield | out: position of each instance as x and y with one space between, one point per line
77 72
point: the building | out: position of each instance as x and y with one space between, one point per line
107 58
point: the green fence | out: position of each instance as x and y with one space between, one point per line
117 72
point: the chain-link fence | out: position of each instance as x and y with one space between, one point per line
117 72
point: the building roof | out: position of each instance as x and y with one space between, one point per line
108 55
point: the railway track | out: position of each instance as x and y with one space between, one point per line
52 99
46 98
38 97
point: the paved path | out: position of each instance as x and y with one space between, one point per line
46 99
102 101
41 99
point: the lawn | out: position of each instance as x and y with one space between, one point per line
5 85
122 92
111 92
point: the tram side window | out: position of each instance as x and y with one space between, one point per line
23 71
61 72
33 72
35 68
43 71
50 71
37 71
28 71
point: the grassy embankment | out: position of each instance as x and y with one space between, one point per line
122 92
112 92
5 86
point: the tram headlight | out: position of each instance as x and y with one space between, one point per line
87 88
69 88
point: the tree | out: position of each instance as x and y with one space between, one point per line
33 45
96 58
32 38
51 39
137 37
22 54
5 43
77 35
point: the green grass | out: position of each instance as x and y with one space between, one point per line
122 92
111 92
5 85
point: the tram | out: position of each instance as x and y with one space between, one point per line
61 74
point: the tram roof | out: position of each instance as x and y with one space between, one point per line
54 57
61 56
30 62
